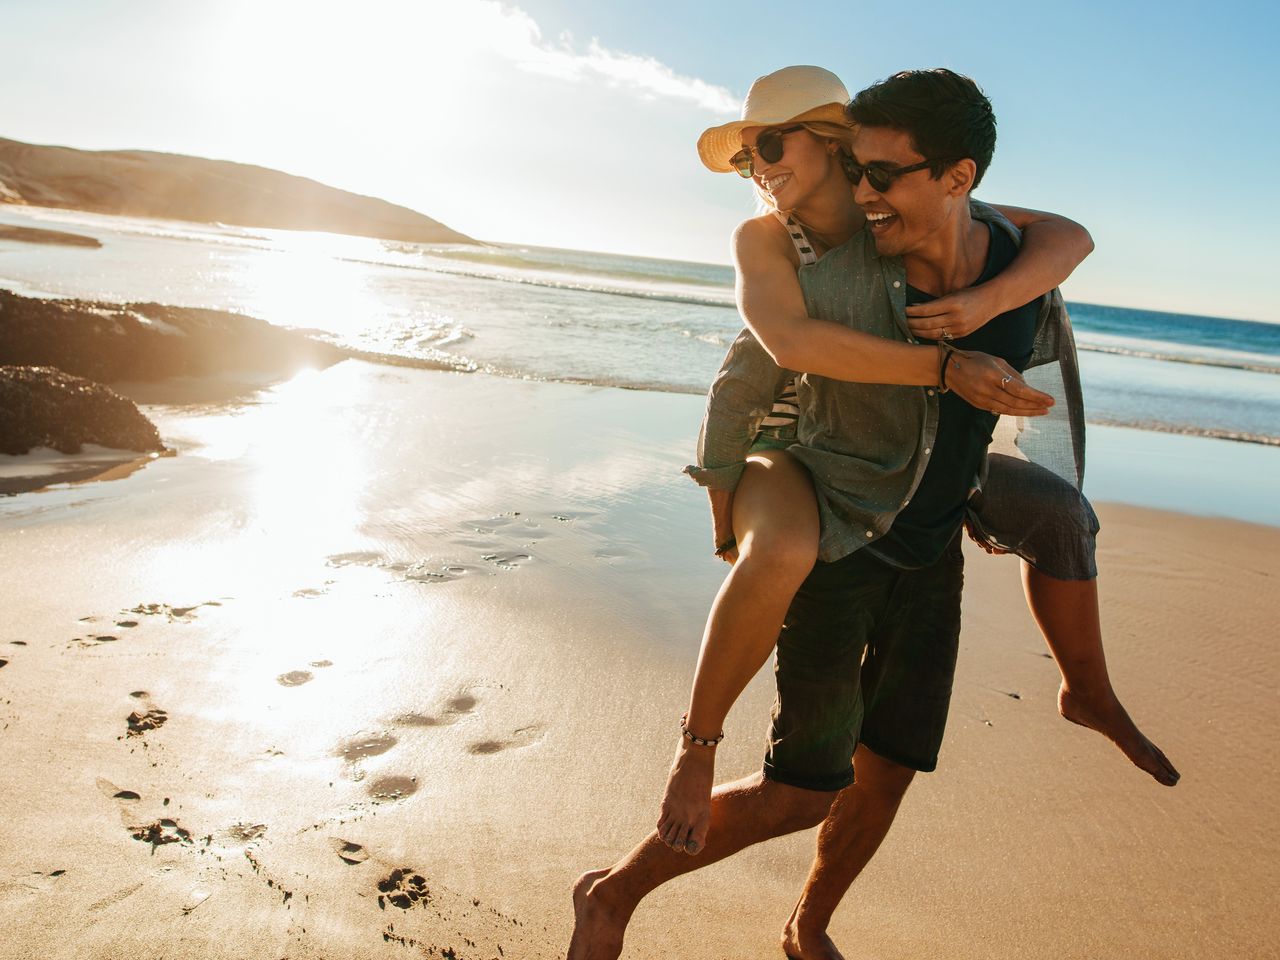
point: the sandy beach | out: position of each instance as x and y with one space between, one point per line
383 658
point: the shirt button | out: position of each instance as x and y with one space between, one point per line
870 534
928 450
930 392
906 501
896 284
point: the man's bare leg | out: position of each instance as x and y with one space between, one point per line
859 820
1067 612
742 813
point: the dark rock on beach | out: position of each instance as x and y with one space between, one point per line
143 183
149 341
44 407
55 237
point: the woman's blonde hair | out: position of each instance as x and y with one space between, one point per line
838 133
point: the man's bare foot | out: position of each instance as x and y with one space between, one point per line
597 929
1107 716
800 943
686 804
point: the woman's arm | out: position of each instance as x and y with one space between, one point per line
772 305
1052 247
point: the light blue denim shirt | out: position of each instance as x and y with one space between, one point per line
867 445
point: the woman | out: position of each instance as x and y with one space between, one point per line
792 143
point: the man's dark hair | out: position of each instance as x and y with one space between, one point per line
946 115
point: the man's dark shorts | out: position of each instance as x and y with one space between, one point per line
895 698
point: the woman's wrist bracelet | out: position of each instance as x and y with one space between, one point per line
692 738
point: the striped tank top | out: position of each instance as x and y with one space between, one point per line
780 424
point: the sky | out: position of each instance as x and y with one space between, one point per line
573 124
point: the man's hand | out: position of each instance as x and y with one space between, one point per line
988 383
955 315
722 522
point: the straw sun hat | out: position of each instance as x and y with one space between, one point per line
789 95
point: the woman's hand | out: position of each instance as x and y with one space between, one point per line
722 523
988 383
953 316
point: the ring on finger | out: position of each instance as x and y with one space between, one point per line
1004 381
946 335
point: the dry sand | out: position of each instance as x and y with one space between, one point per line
383 659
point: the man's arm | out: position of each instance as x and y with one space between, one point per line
1052 247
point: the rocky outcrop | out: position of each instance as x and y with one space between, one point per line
142 183
44 407
149 341
55 237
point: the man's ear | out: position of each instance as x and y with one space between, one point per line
960 176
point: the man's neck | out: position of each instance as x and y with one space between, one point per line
952 257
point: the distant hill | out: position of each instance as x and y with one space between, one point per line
143 183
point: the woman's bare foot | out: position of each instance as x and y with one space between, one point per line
686 803
597 930
799 943
1107 716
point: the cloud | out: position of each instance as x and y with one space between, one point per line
519 39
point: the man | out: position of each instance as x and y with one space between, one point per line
893 590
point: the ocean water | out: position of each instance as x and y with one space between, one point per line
588 317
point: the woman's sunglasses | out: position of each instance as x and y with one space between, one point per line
769 147
881 178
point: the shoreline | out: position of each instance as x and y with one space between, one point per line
385 623
1164 470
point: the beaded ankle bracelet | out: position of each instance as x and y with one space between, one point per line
684 730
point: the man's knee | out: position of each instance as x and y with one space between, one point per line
881 779
798 808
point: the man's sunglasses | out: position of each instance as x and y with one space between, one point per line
881 177
769 147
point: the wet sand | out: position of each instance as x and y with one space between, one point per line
384 658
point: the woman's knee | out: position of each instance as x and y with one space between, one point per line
784 553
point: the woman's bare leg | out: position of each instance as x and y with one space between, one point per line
775 521
1067 612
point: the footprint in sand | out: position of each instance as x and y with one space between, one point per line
3 662
390 789
431 570
371 745
296 678
350 853
521 737
358 558
141 723
161 832
455 708
109 789
309 593
403 888
243 833
174 614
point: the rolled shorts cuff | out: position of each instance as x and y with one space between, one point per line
911 763
831 783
